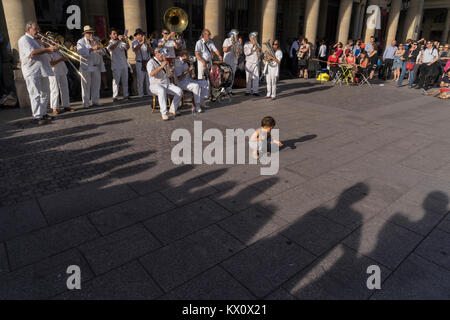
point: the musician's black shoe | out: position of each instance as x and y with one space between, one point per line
48 117
247 93
256 94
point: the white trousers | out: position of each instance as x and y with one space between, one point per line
201 70
90 90
38 91
162 92
271 84
142 80
252 76
120 76
199 88
59 87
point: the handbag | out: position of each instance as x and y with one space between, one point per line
410 66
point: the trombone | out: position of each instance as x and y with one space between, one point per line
67 53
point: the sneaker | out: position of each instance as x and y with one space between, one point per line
165 117
198 109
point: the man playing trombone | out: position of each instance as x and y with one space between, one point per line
118 45
36 69
90 49
252 51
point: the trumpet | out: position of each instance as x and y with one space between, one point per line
67 53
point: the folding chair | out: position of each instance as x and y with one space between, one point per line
363 77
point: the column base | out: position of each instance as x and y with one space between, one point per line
21 90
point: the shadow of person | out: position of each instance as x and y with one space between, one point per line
398 239
337 273
291 143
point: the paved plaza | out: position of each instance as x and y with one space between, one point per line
364 180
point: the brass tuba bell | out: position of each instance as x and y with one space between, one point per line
176 19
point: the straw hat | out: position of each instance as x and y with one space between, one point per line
88 29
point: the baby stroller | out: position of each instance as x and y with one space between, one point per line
221 78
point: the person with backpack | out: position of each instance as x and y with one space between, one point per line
427 61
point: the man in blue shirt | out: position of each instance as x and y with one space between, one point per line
388 58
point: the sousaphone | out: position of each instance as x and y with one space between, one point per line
176 20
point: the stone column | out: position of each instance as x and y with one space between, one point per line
392 24
269 20
445 33
413 19
323 16
362 14
213 12
311 19
134 14
17 14
344 18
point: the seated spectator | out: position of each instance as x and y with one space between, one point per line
333 61
362 65
350 59
444 91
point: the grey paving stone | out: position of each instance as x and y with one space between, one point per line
315 233
252 225
130 212
76 202
436 248
314 166
3 259
184 259
214 284
383 241
271 270
44 279
130 281
416 279
232 175
286 181
294 203
182 192
280 294
20 219
180 222
339 274
49 241
120 247
242 196
411 216
445 224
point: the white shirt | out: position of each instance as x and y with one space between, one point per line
161 77
95 59
59 69
36 66
203 47
230 56
323 51
118 57
170 46
251 56
429 55
142 53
